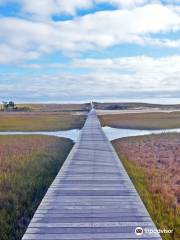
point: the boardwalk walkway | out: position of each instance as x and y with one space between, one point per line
92 197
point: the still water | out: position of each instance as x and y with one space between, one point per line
72 134
111 133
114 133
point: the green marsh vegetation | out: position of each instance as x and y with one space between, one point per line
28 165
152 163
40 121
150 120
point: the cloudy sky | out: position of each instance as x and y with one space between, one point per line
79 50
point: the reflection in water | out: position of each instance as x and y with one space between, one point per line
111 133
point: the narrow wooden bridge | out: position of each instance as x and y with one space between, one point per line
92 197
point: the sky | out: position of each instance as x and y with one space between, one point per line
82 50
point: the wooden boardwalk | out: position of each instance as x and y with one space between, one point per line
92 197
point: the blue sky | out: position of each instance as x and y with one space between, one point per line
77 50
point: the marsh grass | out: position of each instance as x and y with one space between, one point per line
40 121
142 120
50 107
154 185
28 164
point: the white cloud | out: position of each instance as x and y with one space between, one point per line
50 7
126 3
112 78
91 32
141 72
30 38
9 54
46 8
132 63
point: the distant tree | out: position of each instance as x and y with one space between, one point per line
11 104
5 105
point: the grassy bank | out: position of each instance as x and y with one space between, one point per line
134 106
28 164
152 163
40 121
142 120
55 107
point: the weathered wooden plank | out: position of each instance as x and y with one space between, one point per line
89 236
55 218
91 224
